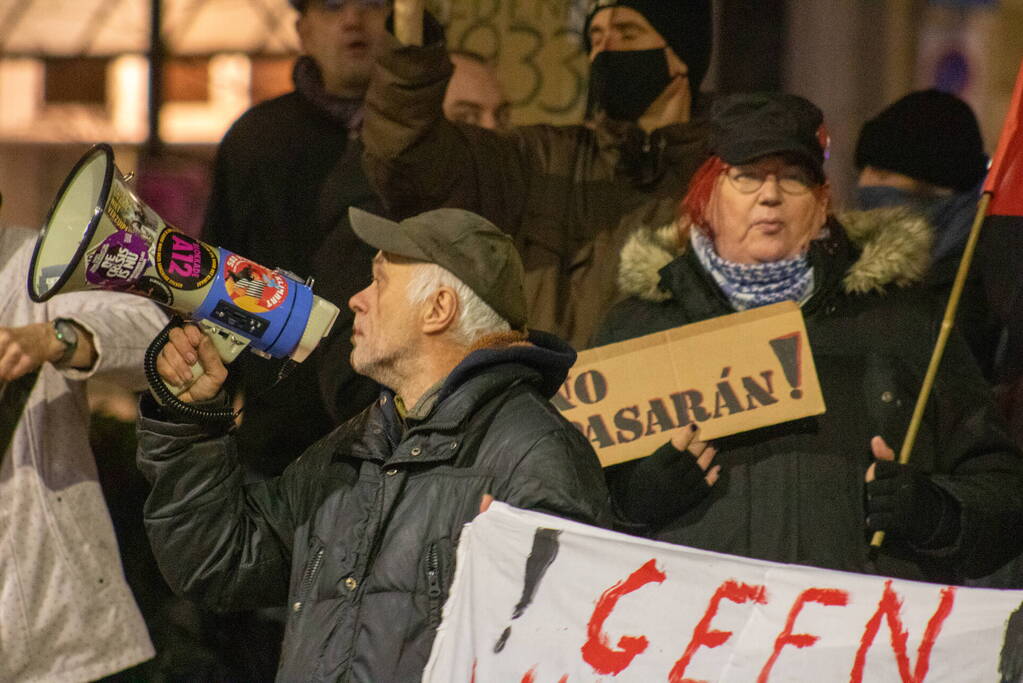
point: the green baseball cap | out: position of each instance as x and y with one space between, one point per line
469 246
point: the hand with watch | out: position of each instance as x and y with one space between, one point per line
60 342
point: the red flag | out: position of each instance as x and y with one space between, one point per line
1005 177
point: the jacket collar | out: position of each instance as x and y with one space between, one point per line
864 251
547 355
542 361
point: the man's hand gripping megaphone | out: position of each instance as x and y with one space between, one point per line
189 351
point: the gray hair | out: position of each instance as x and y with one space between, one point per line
475 317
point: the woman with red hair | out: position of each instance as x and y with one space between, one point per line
755 229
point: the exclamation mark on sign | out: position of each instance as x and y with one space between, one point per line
788 349
545 549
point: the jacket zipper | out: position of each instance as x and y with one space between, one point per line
433 584
307 580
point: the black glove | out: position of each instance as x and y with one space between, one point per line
905 503
658 488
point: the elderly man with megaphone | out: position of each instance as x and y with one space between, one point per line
358 536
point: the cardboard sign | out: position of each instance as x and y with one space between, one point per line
729 375
535 45
538 599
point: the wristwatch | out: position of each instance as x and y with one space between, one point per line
67 335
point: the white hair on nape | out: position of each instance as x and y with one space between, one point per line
475 317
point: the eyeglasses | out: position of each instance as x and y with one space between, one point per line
794 180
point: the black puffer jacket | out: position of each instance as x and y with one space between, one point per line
358 535
795 492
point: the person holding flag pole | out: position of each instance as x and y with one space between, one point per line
996 199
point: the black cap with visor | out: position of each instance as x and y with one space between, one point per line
749 126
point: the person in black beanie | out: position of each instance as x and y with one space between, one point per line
925 153
668 42
568 195
930 137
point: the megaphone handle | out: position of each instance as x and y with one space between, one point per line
228 347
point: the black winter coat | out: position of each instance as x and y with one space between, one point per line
285 175
794 492
358 535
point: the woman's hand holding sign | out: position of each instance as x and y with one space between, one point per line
681 471
685 441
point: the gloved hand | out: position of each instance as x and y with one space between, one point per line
904 502
667 483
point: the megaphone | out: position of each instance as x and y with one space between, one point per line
99 235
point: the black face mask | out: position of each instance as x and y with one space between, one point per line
623 84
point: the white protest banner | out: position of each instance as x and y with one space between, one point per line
728 374
538 599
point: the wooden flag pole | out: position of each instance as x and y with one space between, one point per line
939 348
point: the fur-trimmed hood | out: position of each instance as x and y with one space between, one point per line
895 245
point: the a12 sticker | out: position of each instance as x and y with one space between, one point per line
184 262
253 287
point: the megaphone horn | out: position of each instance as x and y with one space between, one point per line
100 235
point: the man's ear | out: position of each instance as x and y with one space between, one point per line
440 311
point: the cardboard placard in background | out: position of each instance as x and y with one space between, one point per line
729 375
536 46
